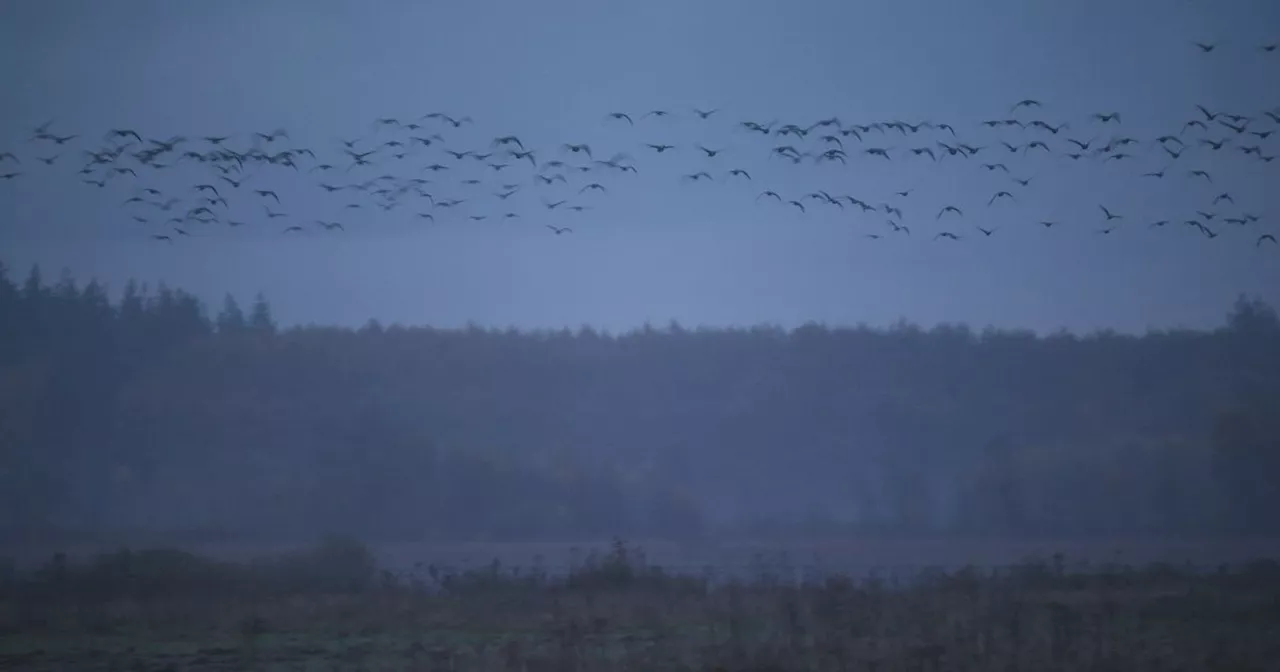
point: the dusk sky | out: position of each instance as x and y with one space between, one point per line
656 247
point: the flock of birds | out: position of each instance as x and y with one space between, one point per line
415 165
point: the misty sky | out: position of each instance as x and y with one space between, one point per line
655 247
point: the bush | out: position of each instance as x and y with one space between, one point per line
335 566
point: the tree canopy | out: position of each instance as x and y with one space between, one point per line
149 413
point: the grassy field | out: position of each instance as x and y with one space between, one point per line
333 608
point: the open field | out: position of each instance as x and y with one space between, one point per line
334 610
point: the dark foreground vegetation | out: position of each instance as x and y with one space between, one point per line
148 414
332 608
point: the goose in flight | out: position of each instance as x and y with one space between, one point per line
948 235
1264 238
1024 103
622 115
999 195
655 113
1049 127
1224 196
124 133
1206 47
711 153
1194 123
508 140
705 113
738 172
1107 212
162 238
986 232
292 229
694 177
659 148
1105 117
578 149
773 194
594 185
949 208
265 193
1200 173
559 229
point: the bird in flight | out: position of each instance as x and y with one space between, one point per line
1107 212
559 229
1265 238
622 115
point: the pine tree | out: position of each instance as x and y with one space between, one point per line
231 320
260 319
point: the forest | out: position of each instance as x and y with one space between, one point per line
143 411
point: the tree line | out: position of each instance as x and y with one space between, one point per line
151 413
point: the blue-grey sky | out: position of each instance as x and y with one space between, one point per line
655 247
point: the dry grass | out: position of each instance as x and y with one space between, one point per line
618 614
